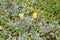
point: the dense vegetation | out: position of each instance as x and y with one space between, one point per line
45 27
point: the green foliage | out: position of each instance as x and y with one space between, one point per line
46 25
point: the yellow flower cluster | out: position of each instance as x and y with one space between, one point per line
35 15
21 15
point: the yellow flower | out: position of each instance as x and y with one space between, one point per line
35 15
21 15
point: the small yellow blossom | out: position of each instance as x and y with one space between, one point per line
35 15
21 15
